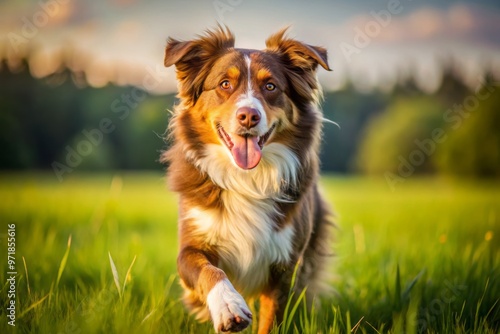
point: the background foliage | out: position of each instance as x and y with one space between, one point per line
40 119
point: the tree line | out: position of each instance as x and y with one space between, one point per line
57 123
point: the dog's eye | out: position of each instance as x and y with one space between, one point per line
270 86
225 85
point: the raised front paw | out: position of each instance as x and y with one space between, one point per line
228 309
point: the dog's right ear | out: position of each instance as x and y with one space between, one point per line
192 59
186 56
176 50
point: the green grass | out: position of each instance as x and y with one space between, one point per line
422 258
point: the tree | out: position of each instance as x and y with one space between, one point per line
399 139
473 146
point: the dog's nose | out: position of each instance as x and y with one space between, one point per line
248 117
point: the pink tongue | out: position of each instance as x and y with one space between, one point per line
246 151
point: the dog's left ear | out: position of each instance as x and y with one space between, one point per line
298 54
300 61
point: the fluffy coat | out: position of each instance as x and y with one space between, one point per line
244 160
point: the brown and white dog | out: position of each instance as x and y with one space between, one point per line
244 160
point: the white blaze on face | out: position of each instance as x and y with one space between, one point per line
246 151
248 61
248 99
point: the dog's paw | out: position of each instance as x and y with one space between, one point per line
228 309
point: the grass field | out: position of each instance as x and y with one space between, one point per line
422 258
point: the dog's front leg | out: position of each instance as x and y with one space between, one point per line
272 307
274 298
228 309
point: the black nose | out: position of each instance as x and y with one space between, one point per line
248 117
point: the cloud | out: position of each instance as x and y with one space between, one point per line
458 23
121 37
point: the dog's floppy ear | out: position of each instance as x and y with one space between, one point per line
300 61
300 55
176 50
193 58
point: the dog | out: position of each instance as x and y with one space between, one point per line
245 138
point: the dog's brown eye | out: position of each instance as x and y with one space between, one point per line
270 86
225 84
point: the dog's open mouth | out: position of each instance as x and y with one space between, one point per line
246 150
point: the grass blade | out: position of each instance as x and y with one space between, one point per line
116 278
397 292
295 272
290 313
299 300
32 306
348 321
358 324
128 274
27 277
291 293
148 316
406 293
62 265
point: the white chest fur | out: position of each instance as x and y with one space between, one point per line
243 231
245 238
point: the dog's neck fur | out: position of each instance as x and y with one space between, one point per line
277 171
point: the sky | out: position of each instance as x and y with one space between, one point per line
374 43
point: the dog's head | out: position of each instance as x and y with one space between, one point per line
244 99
